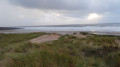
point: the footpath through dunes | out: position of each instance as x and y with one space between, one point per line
45 38
52 37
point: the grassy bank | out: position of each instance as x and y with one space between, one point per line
67 51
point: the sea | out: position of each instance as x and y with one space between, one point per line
102 28
108 27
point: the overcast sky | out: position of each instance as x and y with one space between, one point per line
56 12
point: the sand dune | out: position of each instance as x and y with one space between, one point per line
45 38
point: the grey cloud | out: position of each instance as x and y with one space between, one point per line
90 5
73 8
52 4
9 13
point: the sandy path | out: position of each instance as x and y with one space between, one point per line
45 38
51 37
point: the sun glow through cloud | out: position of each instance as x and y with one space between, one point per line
58 12
94 16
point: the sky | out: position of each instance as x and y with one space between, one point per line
58 12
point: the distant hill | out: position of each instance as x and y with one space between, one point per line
8 28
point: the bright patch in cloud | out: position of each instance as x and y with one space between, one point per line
94 16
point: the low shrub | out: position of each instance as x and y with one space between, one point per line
84 33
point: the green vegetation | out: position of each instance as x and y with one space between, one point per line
67 51
10 42
84 33
8 39
40 59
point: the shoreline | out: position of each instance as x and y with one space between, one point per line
18 31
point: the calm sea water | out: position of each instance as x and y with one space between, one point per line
96 27
109 29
